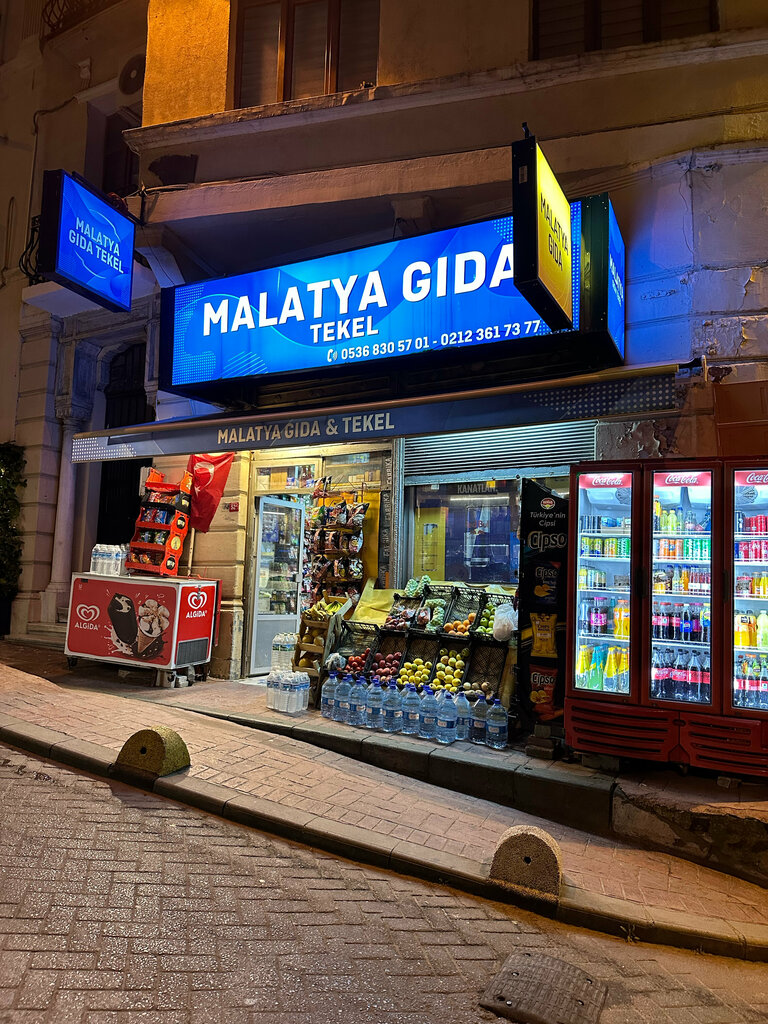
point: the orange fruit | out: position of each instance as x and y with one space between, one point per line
471 617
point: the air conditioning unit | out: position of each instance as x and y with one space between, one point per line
131 78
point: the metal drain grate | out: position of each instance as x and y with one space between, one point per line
535 989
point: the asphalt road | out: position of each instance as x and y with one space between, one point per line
117 907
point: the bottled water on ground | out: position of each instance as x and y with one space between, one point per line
327 695
428 711
357 699
374 706
273 684
445 727
463 716
393 709
411 705
96 558
341 700
477 722
496 726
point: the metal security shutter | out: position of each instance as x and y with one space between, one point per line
549 444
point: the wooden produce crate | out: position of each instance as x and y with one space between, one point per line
316 640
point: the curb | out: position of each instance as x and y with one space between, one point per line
575 906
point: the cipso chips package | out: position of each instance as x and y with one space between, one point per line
543 682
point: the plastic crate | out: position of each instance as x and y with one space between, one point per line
492 601
440 591
424 646
390 641
400 600
486 664
458 644
355 637
465 601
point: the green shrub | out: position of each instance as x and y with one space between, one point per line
11 479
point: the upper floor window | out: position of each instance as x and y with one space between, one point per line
563 27
289 49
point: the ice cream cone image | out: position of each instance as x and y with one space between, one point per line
154 619
143 642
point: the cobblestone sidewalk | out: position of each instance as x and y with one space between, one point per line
374 801
117 907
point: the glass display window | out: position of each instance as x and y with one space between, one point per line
467 531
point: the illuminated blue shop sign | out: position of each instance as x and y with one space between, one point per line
616 275
445 290
85 243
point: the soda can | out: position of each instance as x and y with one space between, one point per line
582 577
744 549
764 550
763 524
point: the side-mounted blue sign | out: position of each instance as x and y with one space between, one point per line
435 292
616 276
86 245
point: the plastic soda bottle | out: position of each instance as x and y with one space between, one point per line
762 630
411 705
610 682
327 696
496 725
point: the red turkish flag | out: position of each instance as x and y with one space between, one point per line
209 478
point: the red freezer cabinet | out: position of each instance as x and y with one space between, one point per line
161 624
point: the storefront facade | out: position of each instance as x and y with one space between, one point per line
229 189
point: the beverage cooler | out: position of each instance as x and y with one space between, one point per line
668 613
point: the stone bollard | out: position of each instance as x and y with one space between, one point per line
157 751
528 860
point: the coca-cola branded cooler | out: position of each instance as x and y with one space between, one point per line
668 613
161 624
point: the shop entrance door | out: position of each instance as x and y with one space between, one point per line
278 571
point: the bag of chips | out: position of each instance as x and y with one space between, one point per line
337 514
355 569
544 641
354 544
317 516
356 513
543 681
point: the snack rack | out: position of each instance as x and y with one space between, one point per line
161 528
333 558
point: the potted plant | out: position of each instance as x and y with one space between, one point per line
11 479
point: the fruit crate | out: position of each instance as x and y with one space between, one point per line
440 591
421 645
459 644
486 664
489 601
466 601
401 601
390 642
355 637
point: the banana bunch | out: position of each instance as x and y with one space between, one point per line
323 610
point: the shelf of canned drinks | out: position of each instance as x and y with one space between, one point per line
683 534
605 590
681 561
740 651
750 536
604 533
763 564
602 558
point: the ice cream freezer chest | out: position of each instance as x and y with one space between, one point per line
145 622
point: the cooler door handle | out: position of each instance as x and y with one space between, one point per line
639 583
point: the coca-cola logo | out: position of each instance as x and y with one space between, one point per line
681 479
87 612
198 599
607 480
756 478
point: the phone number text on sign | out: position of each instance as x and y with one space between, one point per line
381 349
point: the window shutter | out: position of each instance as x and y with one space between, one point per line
358 43
560 27
681 18
621 23
259 48
310 38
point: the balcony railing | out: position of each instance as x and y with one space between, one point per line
60 15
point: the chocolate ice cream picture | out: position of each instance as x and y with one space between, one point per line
122 615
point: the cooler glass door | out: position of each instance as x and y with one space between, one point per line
602 626
749 688
280 532
681 588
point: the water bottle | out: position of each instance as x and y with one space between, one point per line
393 709
116 556
341 700
411 705
477 721
445 728
304 691
95 557
357 699
496 726
273 682
327 696
374 705
463 716
428 711
283 694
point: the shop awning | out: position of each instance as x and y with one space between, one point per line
616 393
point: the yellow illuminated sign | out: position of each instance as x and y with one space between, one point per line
553 226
